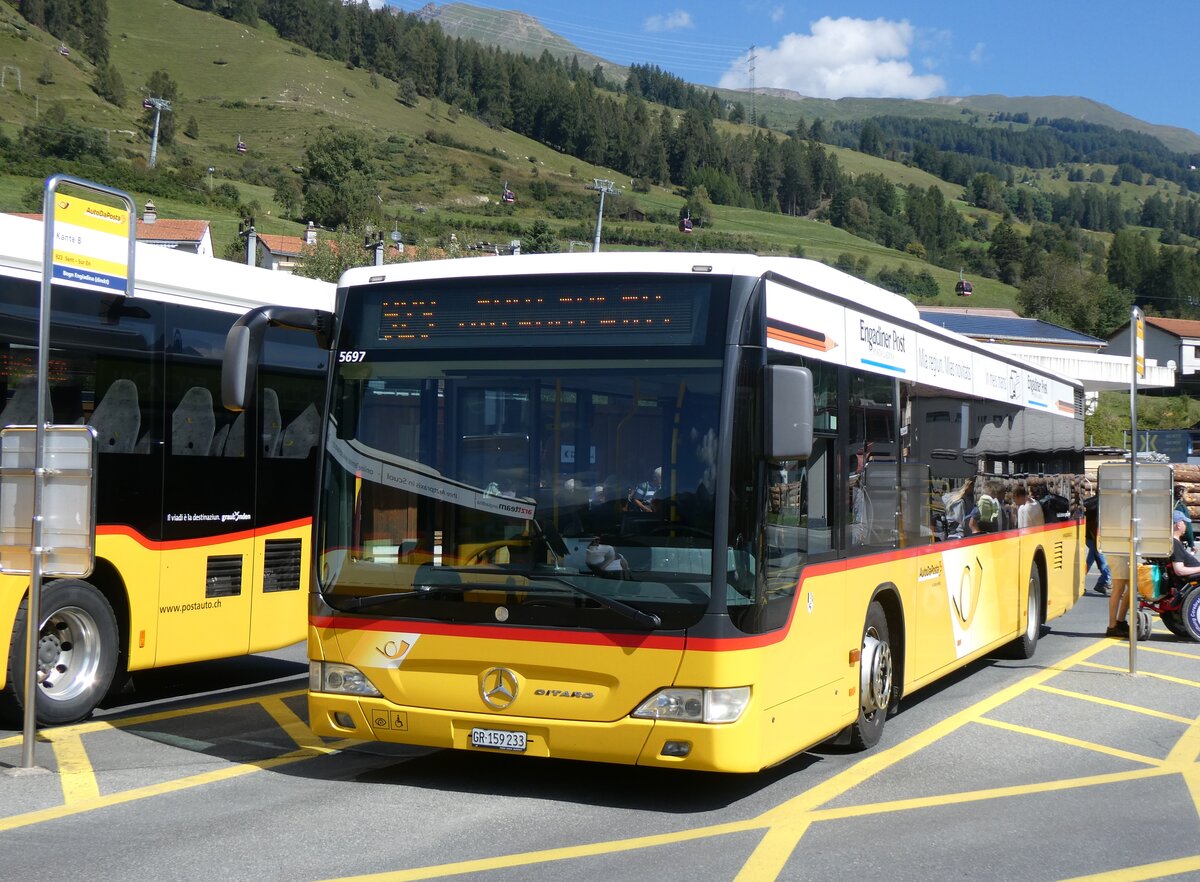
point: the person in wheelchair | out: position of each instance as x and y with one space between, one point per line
1183 562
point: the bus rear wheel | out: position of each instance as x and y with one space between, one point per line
876 680
1026 645
76 654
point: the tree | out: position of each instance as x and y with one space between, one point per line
339 178
55 135
192 129
46 77
109 85
406 92
160 85
538 238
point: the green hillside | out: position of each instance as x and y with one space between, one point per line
437 170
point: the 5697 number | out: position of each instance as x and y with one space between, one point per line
351 356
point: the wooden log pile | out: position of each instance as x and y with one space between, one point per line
1187 476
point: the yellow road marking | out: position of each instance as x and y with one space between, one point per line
1160 870
87 805
1157 651
569 852
773 852
295 727
1074 742
1167 677
943 800
75 770
1108 702
126 722
793 817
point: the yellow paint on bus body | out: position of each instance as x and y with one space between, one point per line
574 691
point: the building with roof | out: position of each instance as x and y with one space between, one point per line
1100 365
283 253
1168 340
191 236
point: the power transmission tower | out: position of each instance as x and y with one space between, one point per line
158 105
753 100
603 187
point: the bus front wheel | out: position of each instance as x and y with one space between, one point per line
876 683
76 653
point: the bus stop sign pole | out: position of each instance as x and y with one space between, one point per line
1138 358
91 247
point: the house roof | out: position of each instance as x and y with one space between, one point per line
290 246
1178 327
167 229
1005 326
164 229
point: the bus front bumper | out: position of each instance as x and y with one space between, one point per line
728 747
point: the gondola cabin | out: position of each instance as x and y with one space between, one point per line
963 288
685 225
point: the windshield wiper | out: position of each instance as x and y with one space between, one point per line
364 601
647 620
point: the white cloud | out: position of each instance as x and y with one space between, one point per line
777 14
672 21
978 53
842 57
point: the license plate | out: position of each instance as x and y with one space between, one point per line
498 739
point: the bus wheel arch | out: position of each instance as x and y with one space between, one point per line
880 667
1025 645
106 579
76 655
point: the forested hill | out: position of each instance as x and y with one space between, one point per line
357 116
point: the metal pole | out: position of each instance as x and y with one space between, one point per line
599 220
1133 489
154 140
33 621
37 552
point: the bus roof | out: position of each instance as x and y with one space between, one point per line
164 274
807 272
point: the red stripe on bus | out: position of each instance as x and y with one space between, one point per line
651 641
156 545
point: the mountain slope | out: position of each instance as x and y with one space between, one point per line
518 32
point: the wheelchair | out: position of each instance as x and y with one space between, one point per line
1174 599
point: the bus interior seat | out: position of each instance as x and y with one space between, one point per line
272 422
21 409
300 436
117 418
193 424
230 439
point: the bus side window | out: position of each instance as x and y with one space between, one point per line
117 419
193 424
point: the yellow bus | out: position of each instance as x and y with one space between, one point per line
203 518
692 511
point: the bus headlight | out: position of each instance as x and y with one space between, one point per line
695 705
342 679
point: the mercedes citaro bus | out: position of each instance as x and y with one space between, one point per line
667 509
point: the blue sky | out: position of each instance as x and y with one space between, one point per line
1141 59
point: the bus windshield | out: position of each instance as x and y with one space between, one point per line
529 485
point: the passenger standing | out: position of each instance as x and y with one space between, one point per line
1091 527
1029 513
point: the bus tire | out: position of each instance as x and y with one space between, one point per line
876 680
77 653
1026 645
1189 612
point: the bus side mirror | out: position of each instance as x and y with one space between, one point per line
238 367
244 342
789 412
